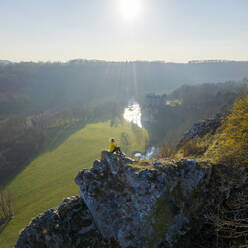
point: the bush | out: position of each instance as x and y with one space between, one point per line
192 148
166 151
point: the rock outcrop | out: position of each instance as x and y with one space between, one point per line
126 203
69 225
202 128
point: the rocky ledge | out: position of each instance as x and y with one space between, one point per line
202 128
126 203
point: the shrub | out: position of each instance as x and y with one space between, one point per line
192 148
166 151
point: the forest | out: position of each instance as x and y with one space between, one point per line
167 123
29 88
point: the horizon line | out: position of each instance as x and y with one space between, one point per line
123 61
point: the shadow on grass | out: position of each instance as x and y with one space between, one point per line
53 138
56 138
3 223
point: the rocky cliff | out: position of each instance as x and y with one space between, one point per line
126 203
201 128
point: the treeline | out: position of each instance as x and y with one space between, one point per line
167 124
29 88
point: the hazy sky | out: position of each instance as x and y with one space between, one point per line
170 30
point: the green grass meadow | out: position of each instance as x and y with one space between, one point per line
48 179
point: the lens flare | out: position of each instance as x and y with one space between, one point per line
130 9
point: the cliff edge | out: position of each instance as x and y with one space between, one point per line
126 203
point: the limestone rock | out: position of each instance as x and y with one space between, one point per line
125 203
69 225
142 205
201 128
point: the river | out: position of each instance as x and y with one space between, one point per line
132 113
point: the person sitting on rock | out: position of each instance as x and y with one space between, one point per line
113 146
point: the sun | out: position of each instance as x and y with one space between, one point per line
130 9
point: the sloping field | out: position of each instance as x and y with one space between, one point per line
50 177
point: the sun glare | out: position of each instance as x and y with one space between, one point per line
130 9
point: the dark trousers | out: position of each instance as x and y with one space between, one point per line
117 149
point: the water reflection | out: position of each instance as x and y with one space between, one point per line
133 113
149 153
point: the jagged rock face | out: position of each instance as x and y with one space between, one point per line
143 205
201 128
70 225
124 203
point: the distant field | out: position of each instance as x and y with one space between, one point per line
173 103
49 178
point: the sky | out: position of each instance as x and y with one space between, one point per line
120 30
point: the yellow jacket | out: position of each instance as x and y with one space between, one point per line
112 146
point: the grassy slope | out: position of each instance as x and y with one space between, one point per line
50 177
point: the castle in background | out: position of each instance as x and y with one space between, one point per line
156 100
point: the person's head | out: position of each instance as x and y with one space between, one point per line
112 140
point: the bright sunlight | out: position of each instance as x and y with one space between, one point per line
130 9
